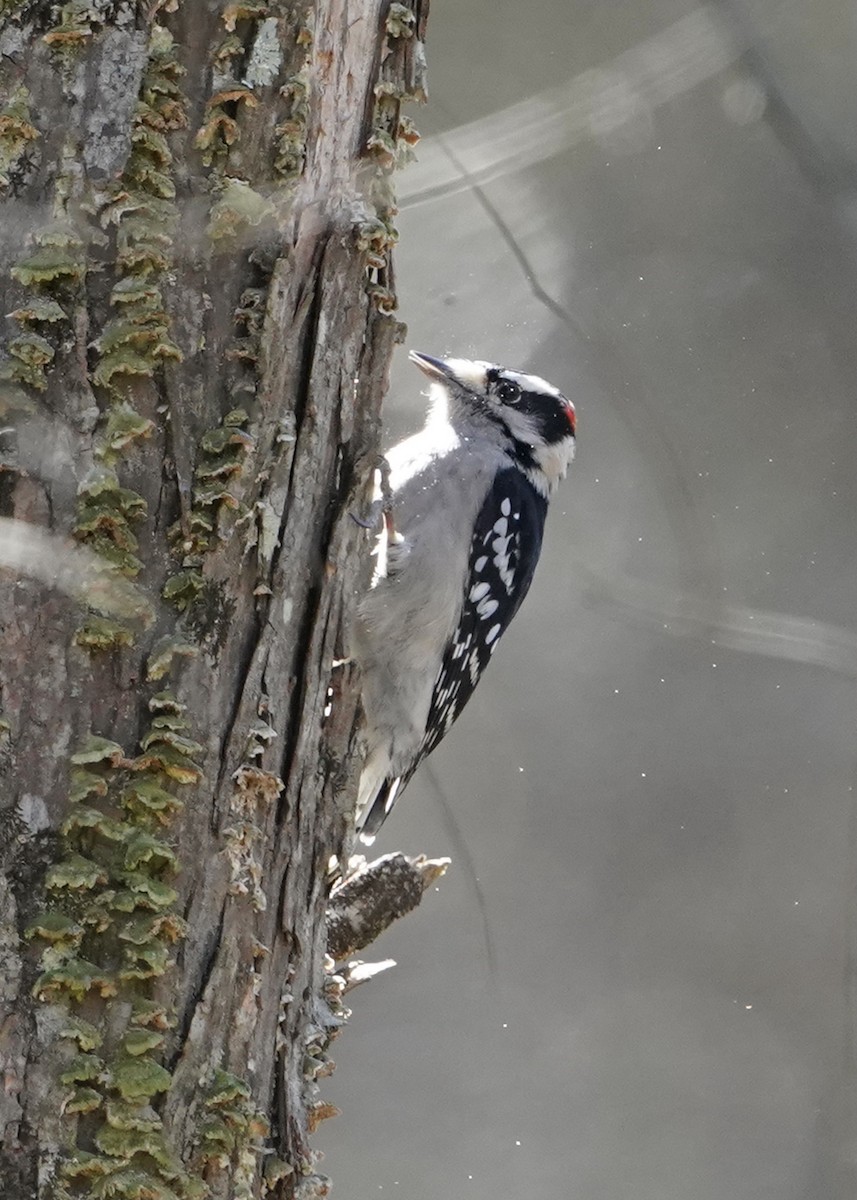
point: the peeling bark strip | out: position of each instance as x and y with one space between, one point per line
195 239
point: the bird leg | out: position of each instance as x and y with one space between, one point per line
387 500
382 506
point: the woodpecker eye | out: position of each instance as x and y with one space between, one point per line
508 392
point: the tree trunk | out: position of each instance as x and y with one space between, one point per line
196 233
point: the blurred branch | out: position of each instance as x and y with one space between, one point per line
599 102
29 551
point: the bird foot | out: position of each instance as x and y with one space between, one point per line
383 506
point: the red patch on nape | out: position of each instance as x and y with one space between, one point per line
572 417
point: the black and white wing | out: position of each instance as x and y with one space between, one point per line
505 548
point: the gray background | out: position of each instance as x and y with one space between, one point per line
649 800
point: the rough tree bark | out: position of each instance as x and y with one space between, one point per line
195 251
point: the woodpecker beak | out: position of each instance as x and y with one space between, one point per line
435 368
468 375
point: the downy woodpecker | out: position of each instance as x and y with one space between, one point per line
466 508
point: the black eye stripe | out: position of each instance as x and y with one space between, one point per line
551 412
507 391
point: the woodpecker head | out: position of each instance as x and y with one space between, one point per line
531 416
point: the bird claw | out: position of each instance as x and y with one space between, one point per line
370 521
387 499
383 506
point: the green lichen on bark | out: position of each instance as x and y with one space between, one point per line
106 512
250 47
17 133
137 341
232 1132
53 272
222 452
247 66
291 132
58 260
111 933
75 24
220 130
253 794
389 146
10 9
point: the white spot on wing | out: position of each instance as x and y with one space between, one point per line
391 796
493 632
